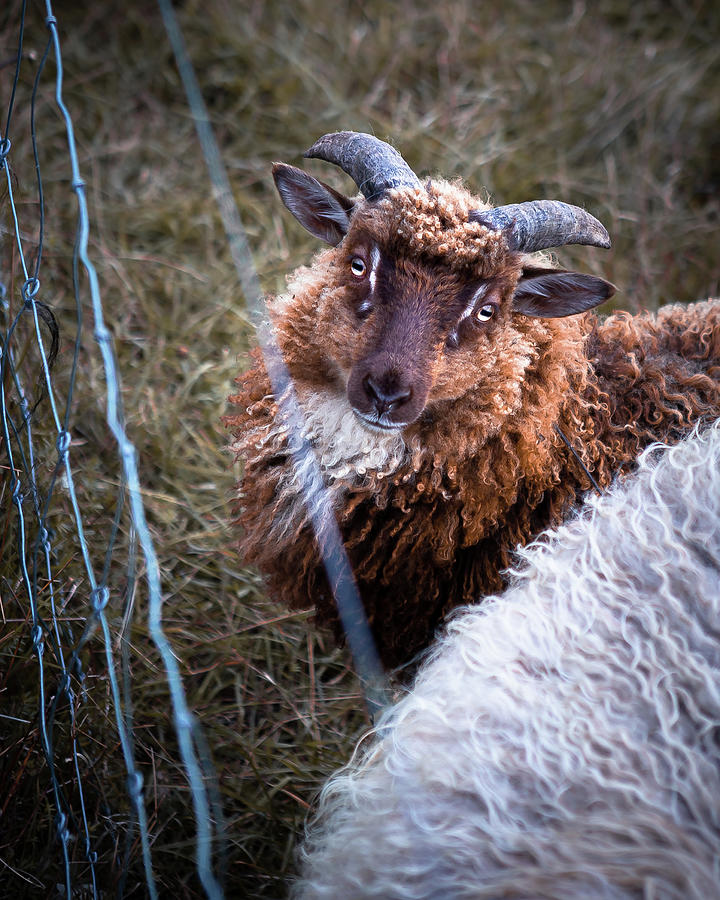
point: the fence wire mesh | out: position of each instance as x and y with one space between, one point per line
45 586
70 604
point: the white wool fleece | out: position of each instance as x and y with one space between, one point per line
562 740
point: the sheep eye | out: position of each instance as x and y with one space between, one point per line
485 313
358 267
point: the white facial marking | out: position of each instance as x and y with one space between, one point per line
374 263
480 292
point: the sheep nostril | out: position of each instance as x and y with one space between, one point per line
370 388
385 399
399 398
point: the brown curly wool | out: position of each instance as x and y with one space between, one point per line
433 222
430 514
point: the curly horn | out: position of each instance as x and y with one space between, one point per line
373 165
540 224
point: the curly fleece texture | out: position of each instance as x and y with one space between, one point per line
430 518
563 739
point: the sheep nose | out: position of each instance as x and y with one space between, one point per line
385 399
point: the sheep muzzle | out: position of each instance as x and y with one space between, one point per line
386 393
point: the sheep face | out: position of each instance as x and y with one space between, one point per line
419 300
422 324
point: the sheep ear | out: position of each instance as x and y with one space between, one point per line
325 213
554 293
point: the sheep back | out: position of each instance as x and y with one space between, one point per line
563 739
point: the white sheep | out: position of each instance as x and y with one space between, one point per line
563 739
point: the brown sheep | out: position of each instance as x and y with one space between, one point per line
457 391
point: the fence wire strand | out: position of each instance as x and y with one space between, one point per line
317 499
26 465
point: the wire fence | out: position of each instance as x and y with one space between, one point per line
46 584
60 686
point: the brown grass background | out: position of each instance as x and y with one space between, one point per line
609 105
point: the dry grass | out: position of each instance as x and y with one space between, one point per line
609 105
